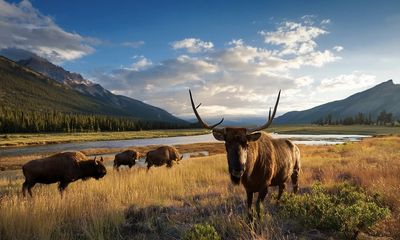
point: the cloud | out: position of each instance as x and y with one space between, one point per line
296 38
338 48
325 21
24 27
355 80
141 64
134 44
240 79
193 45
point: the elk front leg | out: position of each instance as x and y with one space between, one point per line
249 204
281 189
261 196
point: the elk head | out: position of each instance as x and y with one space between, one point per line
236 140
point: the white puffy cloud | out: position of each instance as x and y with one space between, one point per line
338 48
193 45
141 64
239 79
24 27
296 38
355 80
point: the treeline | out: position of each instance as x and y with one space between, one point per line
384 118
16 121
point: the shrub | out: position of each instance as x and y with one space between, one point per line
343 208
202 232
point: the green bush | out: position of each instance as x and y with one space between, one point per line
343 208
202 232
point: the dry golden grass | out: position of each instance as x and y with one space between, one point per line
96 209
163 203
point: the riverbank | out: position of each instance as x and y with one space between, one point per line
334 129
18 140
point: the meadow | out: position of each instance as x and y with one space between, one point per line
166 203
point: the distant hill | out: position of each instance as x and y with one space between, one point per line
384 96
38 85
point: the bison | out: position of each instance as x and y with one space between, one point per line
127 157
162 155
255 159
63 168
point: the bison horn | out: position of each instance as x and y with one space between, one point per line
101 159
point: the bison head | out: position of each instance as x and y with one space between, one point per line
236 140
99 169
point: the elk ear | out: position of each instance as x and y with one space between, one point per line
219 136
253 136
101 159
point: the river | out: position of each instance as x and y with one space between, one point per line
77 146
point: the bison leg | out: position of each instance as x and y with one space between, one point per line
295 180
116 166
62 186
260 199
30 186
24 188
148 166
282 187
249 204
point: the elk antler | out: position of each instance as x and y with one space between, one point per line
270 118
205 125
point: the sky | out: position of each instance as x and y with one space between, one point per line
234 55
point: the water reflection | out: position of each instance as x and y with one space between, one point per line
77 146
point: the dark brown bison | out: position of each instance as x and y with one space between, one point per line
257 160
127 157
162 155
63 168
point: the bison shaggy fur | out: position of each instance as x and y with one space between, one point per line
63 168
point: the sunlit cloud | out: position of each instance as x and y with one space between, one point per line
193 45
24 27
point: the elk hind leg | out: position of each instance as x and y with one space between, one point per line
295 180
249 205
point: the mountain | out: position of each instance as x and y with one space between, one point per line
26 88
55 72
384 96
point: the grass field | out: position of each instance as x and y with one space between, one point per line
51 138
165 203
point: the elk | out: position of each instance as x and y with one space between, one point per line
256 159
